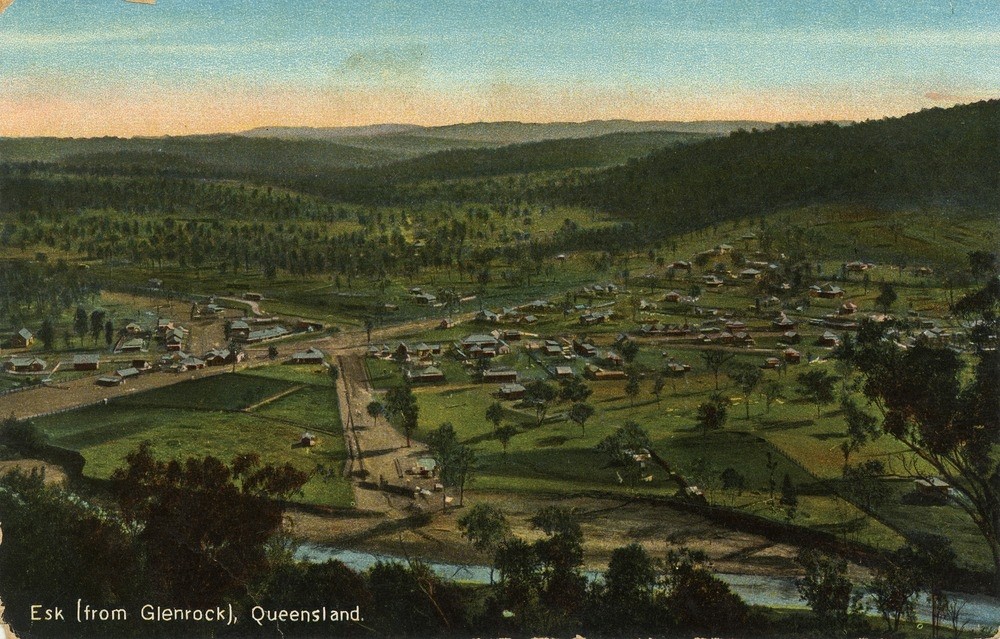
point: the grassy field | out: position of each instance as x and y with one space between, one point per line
207 417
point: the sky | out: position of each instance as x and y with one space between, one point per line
81 68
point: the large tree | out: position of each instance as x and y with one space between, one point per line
747 377
715 361
946 419
204 526
486 528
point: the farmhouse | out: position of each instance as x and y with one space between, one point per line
86 362
511 391
425 375
677 369
190 363
174 339
672 296
424 299
487 315
133 329
22 339
847 308
479 346
528 319
512 335
595 318
500 376
446 324
749 274
856 267
25 364
309 326
790 337
109 380
680 265
771 363
253 297
712 281
538 306
140 364
612 358
163 325
310 356
791 355
380 351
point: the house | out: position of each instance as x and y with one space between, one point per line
424 299
133 345
827 291
612 358
479 346
252 297
790 337
782 323
743 339
310 356
212 309
500 376
174 339
425 375
22 339
934 488
511 391
847 308
109 380
600 374
771 363
133 329
308 326
595 318
86 362
564 372
672 296
307 440
552 348
791 355
446 324
163 325
487 315
140 365
219 357
749 274
528 319
239 329
735 325
512 335
129 373
584 349
659 328
538 305
680 265
192 363
712 281
25 365
677 369
828 339
856 267
379 351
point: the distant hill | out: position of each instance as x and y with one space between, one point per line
328 133
936 156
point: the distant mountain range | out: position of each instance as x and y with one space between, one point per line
504 133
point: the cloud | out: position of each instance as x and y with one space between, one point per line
396 63
39 39
937 96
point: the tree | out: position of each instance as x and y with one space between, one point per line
817 387
747 377
659 381
334 374
629 585
96 324
574 390
893 589
698 600
886 298
455 462
789 497
80 322
622 446
560 554
713 413
47 334
272 352
494 414
539 394
204 525
826 587
951 426
772 392
375 409
982 263
235 352
861 427
628 349
715 360
580 413
505 433
733 479
486 528
109 333
401 403
632 384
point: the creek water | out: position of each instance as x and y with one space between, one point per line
979 612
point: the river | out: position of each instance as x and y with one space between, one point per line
980 612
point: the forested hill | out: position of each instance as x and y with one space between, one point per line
937 156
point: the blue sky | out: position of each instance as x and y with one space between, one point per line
91 67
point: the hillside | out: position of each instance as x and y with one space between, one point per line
933 157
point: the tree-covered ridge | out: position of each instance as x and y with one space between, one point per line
937 156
